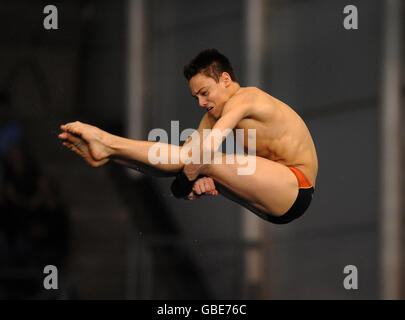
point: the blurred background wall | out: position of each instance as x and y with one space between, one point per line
120 235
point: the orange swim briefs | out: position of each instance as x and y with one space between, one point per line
301 204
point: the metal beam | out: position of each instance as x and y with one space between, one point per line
255 258
135 73
391 205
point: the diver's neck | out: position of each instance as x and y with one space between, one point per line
235 87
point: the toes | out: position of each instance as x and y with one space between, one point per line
69 138
72 127
71 147
69 127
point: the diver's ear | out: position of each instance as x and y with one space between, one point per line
226 79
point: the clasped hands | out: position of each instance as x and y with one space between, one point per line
201 186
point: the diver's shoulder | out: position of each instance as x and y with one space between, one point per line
251 90
249 94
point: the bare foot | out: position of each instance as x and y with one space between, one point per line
87 141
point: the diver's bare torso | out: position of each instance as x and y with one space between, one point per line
281 134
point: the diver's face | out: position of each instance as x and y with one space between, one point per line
211 95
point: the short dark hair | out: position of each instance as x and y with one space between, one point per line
211 63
